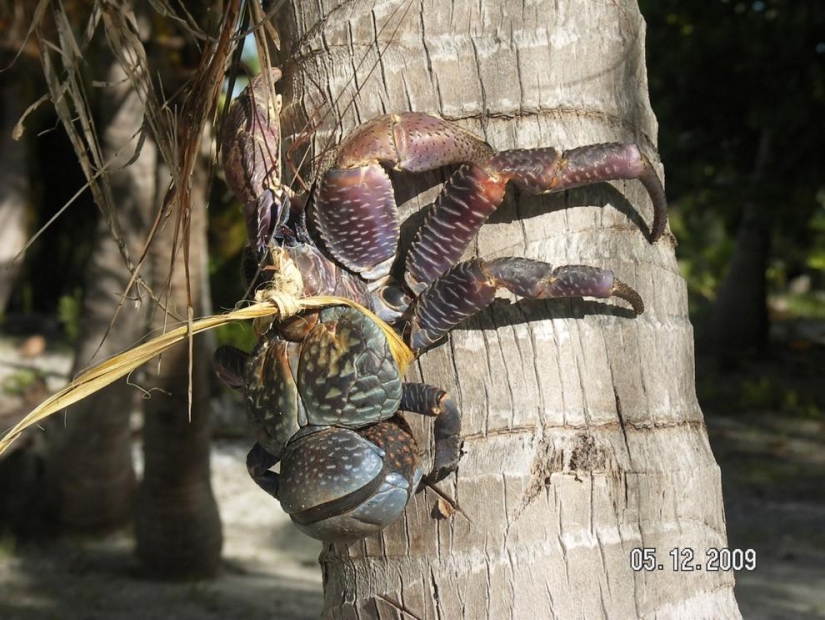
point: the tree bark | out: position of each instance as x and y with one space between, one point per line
583 436
739 321
177 522
90 460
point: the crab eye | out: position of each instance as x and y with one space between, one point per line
285 236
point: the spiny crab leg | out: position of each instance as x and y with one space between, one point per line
471 286
356 211
250 149
474 192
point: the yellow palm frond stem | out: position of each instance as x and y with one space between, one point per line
99 376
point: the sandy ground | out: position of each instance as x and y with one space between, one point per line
772 473
269 569
775 503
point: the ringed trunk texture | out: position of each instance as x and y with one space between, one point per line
583 436
177 523
91 461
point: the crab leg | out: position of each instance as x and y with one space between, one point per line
356 211
474 192
431 401
358 218
250 149
258 462
229 363
469 287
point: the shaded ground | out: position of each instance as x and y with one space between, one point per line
772 460
766 423
269 570
772 473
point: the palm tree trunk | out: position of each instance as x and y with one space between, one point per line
584 439
14 185
176 520
91 458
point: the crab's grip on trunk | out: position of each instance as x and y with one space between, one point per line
546 170
429 400
475 191
471 286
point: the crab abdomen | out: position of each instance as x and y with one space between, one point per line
341 485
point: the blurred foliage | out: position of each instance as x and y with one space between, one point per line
788 384
722 73
227 236
18 382
69 309
54 265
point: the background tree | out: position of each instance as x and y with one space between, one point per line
178 527
14 190
91 453
14 180
737 84
584 439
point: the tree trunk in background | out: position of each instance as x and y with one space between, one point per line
739 321
91 456
14 183
584 439
177 522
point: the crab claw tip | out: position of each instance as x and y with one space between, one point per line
629 294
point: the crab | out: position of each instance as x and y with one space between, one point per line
323 388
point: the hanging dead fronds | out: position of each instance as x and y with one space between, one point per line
178 133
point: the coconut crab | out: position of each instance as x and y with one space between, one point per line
323 388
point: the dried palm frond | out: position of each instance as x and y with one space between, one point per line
100 375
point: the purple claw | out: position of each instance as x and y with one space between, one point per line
358 219
469 287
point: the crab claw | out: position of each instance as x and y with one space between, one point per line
265 216
229 364
471 286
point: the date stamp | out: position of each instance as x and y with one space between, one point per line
685 560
